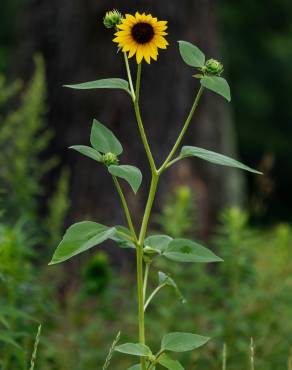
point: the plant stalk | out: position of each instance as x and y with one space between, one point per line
183 131
126 208
130 77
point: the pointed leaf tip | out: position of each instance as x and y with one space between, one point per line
191 54
218 85
104 140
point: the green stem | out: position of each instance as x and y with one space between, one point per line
140 123
129 77
126 208
139 255
146 274
183 131
151 196
152 295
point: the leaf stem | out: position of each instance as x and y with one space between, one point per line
146 274
129 77
153 294
183 131
126 208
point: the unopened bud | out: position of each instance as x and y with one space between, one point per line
110 159
112 18
213 67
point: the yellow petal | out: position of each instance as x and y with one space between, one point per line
139 54
133 50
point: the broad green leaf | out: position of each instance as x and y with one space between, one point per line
169 363
88 152
129 173
158 242
123 241
213 157
184 250
107 83
165 279
134 349
103 140
191 54
182 342
135 367
79 238
218 85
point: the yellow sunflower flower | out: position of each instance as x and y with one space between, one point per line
141 35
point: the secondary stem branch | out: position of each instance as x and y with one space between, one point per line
126 208
183 131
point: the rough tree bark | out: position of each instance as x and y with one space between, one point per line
76 48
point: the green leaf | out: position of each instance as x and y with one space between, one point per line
213 157
107 83
191 54
184 250
103 140
129 173
182 342
88 152
158 242
135 367
134 349
123 241
79 238
169 363
165 279
217 84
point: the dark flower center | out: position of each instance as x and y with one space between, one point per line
142 33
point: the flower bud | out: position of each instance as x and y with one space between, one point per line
213 67
110 158
112 18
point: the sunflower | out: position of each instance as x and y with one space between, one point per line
141 35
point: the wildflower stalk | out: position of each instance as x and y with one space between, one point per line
140 123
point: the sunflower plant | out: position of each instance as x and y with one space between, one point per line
141 36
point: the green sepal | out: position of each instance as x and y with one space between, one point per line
79 238
88 152
131 174
198 75
191 54
107 83
182 342
103 140
218 85
213 157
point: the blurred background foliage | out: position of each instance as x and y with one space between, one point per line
246 296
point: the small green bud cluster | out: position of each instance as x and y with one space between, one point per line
213 67
112 18
109 159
